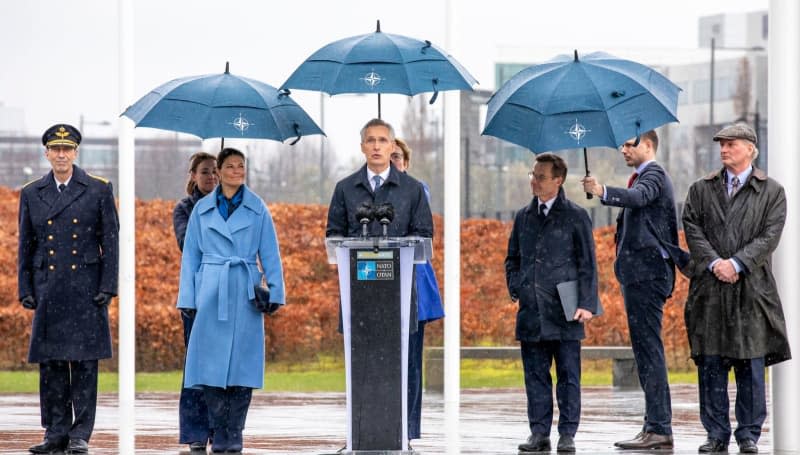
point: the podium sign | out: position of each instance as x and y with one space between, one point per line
375 281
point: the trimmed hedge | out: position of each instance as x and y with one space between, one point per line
307 325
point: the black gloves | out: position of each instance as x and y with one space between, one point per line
188 313
267 308
273 307
102 299
28 302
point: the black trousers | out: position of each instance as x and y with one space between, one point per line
644 305
416 342
227 412
751 396
68 398
537 358
193 412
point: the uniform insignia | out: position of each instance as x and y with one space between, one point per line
97 177
62 133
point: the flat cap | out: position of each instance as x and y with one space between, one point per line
61 134
737 131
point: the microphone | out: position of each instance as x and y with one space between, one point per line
384 213
364 214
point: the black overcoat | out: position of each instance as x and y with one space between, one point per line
743 320
412 214
68 252
546 251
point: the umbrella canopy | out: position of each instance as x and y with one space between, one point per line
567 102
223 105
380 63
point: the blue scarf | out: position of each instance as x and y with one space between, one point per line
227 206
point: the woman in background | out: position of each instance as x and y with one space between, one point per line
230 233
193 412
429 304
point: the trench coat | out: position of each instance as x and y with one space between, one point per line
219 269
745 319
68 252
543 252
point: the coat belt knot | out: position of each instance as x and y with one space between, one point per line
227 262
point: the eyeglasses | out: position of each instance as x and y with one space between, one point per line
539 177
396 157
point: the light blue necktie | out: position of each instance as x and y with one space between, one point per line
377 182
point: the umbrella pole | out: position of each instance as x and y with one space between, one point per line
222 144
586 166
379 105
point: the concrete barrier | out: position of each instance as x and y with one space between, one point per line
623 365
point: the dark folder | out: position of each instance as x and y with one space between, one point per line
568 294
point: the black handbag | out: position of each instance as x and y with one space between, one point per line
262 302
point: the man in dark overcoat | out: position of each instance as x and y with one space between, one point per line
551 246
647 252
733 219
67 274
378 182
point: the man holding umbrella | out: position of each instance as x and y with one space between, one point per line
647 251
733 219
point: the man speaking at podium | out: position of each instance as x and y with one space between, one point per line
378 184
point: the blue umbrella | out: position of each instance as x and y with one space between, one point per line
380 63
596 101
223 105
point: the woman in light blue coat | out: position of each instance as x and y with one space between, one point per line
230 239
429 309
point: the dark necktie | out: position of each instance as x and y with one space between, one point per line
61 187
734 186
632 179
542 210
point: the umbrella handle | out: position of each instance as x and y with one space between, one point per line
435 81
638 134
586 166
297 132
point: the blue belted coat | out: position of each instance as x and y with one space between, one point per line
219 269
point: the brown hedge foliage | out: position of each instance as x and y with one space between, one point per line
307 325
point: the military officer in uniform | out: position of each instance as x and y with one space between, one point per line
67 266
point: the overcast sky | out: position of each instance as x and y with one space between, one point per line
59 58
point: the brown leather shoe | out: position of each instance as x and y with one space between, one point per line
636 438
648 441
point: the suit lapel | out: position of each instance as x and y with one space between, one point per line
65 198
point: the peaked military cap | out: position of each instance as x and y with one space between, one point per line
737 131
61 134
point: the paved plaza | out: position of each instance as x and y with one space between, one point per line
491 422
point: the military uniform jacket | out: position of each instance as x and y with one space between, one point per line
68 252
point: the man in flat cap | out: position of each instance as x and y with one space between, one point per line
733 219
67 273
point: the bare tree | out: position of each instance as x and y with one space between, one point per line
742 94
421 129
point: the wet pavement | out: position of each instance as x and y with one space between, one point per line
491 422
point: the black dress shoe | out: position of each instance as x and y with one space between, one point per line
47 446
197 447
77 446
747 446
535 443
713 445
565 443
648 441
